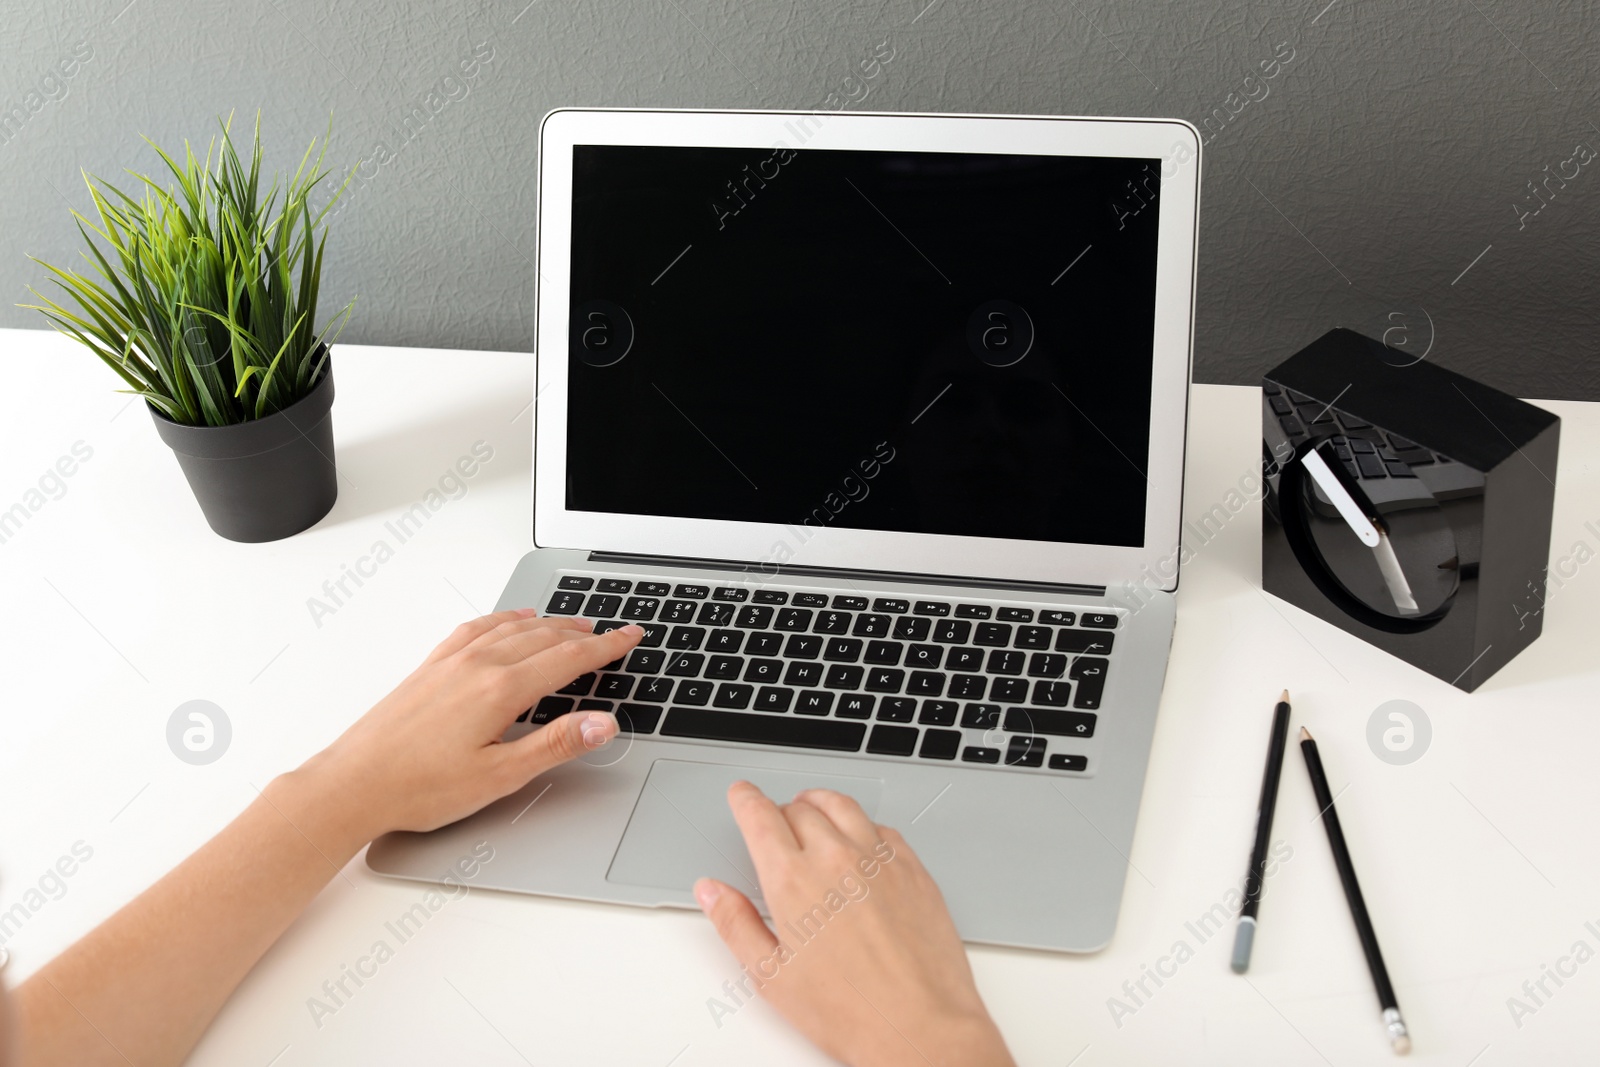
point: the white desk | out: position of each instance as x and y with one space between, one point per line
1479 861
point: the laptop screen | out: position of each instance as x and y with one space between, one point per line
915 342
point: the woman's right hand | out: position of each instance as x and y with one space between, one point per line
869 965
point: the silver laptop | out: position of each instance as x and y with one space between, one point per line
875 423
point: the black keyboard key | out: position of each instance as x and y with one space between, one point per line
652 589
981 717
715 613
575 581
964 659
730 593
550 708
658 689
638 718
925 684
977 754
1281 405
764 729
850 603
924 657
855 706
1015 615
605 626
1079 642
1090 688
1371 466
734 695
1047 665
842 650
1049 721
724 641
932 607
564 604
974 611
1057 618
654 635
725 668
614 665
678 611
592 704
764 670
1008 690
693 592
685 665
891 605
938 713
773 698
892 740
688 638
802 646
1292 426
793 620
993 634
767 644
1099 620
692 691
912 628
614 687
602 606
1033 637
832 622
803 674
885 680
1051 694
814 702
1398 469
897 709
1088 667
769 596
614 585
940 744
579 686
1025 752
646 661
1007 661
952 631
754 617
968 686
872 626
640 609
811 600
1063 762
883 653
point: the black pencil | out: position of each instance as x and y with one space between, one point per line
1399 1039
1255 877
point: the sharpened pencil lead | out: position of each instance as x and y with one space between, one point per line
1305 735
1285 698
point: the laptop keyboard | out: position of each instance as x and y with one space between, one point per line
911 679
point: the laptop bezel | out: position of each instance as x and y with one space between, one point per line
1175 142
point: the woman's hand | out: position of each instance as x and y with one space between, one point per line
869 965
429 753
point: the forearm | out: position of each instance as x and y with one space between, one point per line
144 985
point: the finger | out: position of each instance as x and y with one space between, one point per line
514 643
812 828
513 628
558 741
767 834
537 674
471 630
845 813
736 920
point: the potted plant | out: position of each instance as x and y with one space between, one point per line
206 307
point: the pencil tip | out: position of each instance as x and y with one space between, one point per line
1285 698
1305 735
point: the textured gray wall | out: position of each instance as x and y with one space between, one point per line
1380 178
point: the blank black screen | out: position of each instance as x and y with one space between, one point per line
921 342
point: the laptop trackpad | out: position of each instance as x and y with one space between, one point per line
682 830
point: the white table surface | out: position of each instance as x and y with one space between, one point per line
1479 861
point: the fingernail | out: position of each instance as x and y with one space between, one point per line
633 630
706 893
598 728
526 612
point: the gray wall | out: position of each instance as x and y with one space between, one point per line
1380 179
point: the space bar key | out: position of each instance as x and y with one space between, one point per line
764 729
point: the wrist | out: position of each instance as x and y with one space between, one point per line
311 799
968 1040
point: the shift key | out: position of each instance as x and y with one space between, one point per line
1049 721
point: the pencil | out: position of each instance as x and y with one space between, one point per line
1255 878
1399 1039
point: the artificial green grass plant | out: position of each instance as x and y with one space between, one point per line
207 304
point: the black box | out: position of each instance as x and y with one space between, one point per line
1447 488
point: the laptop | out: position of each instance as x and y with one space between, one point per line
875 423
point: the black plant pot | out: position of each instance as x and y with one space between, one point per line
265 479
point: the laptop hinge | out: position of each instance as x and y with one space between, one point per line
770 571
